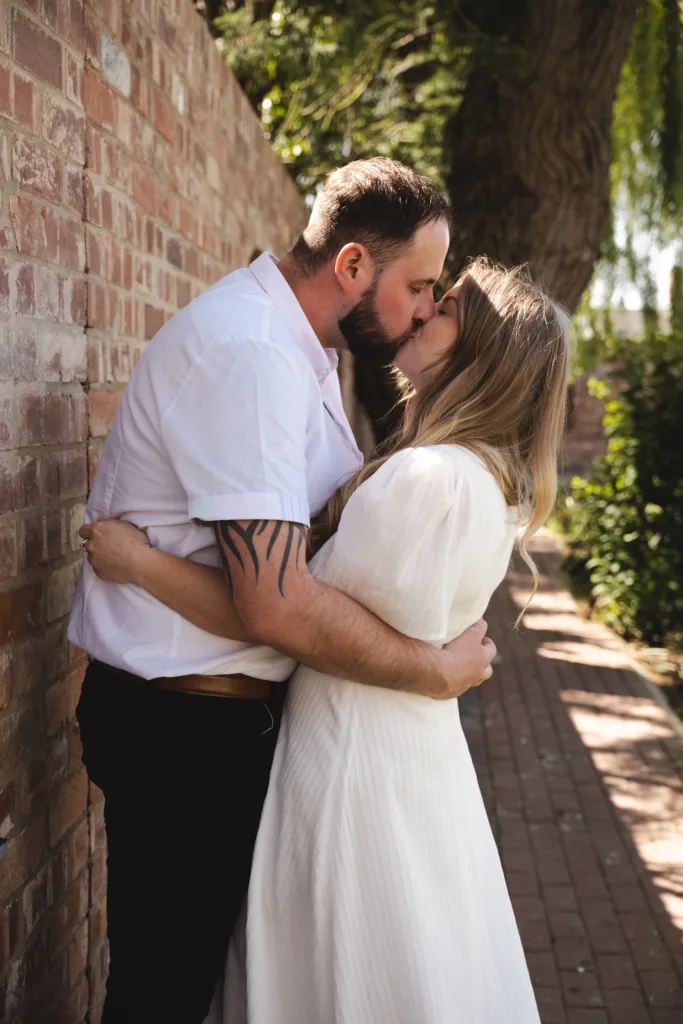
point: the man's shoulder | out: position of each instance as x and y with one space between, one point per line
237 311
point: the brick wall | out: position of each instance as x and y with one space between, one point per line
132 175
585 439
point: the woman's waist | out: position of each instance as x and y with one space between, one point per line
312 690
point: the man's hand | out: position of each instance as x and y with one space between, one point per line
466 662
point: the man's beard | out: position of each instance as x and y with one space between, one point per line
365 336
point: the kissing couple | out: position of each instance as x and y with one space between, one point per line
321 843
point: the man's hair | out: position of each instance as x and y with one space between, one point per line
378 203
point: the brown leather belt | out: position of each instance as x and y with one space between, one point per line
211 686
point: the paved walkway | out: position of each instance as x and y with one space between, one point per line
581 769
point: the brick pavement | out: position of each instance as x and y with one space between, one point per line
581 769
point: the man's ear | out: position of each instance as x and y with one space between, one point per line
354 270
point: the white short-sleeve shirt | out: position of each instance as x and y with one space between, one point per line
233 412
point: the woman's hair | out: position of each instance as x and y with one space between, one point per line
501 392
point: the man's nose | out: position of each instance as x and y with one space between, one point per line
425 308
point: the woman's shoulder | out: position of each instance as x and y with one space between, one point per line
444 462
436 475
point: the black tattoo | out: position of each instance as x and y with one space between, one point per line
239 539
273 538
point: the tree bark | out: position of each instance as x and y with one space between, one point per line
530 153
529 148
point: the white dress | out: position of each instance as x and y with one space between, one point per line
377 895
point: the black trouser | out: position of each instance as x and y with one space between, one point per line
184 778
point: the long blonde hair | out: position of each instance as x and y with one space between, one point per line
501 393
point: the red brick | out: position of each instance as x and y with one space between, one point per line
38 52
23 101
22 859
61 700
102 407
40 419
164 116
93 252
54 535
25 296
99 101
71 243
78 954
6 425
49 12
71 24
26 482
76 417
6 485
36 169
75 199
5 92
5 697
102 306
64 355
8 551
50 225
144 190
587 1016
662 989
31 541
74 80
19 611
154 320
11 932
36 900
4 28
581 989
21 350
4 285
77 310
80 848
68 807
27 226
64 129
66 475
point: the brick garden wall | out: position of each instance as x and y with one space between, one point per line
585 439
133 174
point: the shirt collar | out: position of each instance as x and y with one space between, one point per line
265 270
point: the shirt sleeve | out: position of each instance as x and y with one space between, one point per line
237 433
396 550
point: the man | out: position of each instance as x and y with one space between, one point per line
233 420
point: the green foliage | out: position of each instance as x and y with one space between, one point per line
647 145
334 81
624 521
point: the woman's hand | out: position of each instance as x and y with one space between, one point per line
115 549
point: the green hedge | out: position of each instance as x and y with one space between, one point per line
624 521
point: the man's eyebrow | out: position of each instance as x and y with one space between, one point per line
425 280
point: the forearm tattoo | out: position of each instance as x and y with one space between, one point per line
239 540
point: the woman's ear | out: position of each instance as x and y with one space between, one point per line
354 270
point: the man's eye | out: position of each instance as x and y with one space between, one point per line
416 291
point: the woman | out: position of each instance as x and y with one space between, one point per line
377 895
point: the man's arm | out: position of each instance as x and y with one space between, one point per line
281 604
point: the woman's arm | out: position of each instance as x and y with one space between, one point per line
121 553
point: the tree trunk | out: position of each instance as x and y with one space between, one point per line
530 154
530 149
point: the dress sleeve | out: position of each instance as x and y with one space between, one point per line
237 433
396 549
